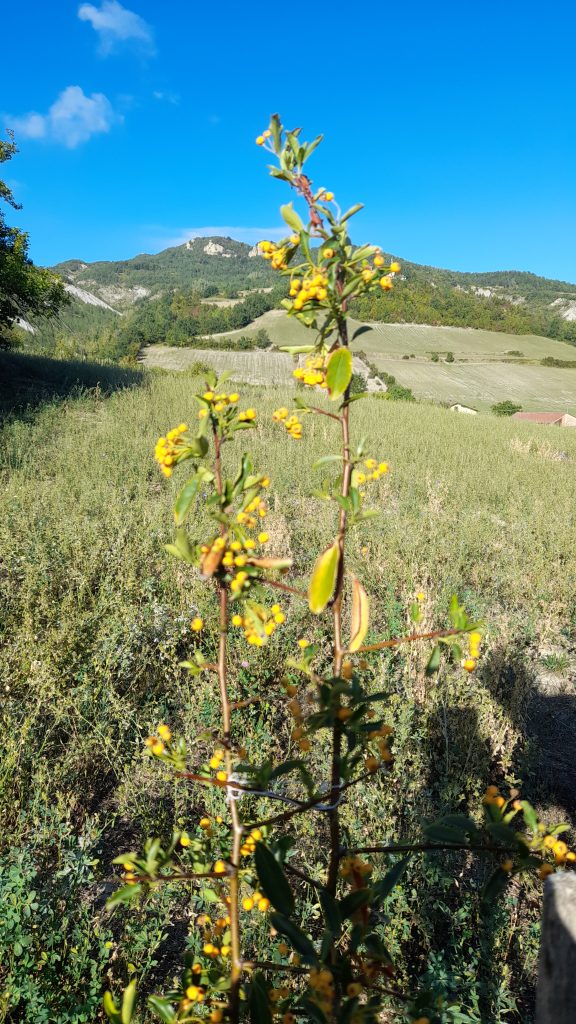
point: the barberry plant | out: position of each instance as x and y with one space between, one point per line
243 860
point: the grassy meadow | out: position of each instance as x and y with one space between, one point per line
95 619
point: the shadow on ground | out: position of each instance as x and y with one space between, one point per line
27 381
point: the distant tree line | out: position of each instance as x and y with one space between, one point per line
422 302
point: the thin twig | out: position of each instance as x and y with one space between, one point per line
409 639
425 847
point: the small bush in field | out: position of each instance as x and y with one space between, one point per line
276 937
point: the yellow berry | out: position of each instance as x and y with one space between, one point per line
197 624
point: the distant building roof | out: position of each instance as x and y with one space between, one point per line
463 408
538 417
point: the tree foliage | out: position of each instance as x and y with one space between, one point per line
24 288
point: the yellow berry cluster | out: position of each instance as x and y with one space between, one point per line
261 139
260 624
169 448
309 289
375 471
321 982
355 869
295 709
157 744
493 796
249 844
216 765
217 402
370 273
471 661
256 900
313 373
292 423
562 855
276 254
214 930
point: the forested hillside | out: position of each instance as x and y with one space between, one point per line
213 285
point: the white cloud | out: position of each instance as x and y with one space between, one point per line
167 97
73 118
246 234
116 25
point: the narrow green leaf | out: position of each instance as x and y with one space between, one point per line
350 213
198 446
185 499
353 901
433 662
323 579
494 886
258 1002
295 936
126 894
291 218
274 883
331 911
128 1002
162 1008
295 350
361 330
325 459
530 816
339 372
110 1009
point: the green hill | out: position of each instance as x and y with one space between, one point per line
215 285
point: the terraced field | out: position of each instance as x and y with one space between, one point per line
249 367
480 385
482 374
419 340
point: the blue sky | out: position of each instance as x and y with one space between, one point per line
453 123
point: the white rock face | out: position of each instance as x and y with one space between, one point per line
87 297
566 308
255 251
24 325
215 249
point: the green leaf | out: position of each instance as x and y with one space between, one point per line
433 662
126 894
323 579
325 459
274 883
530 816
331 912
185 499
291 218
110 1009
258 1002
384 886
128 1002
162 1008
353 901
350 213
360 615
357 397
494 886
339 372
300 942
198 446
361 330
296 350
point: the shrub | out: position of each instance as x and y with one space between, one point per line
333 910
506 408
